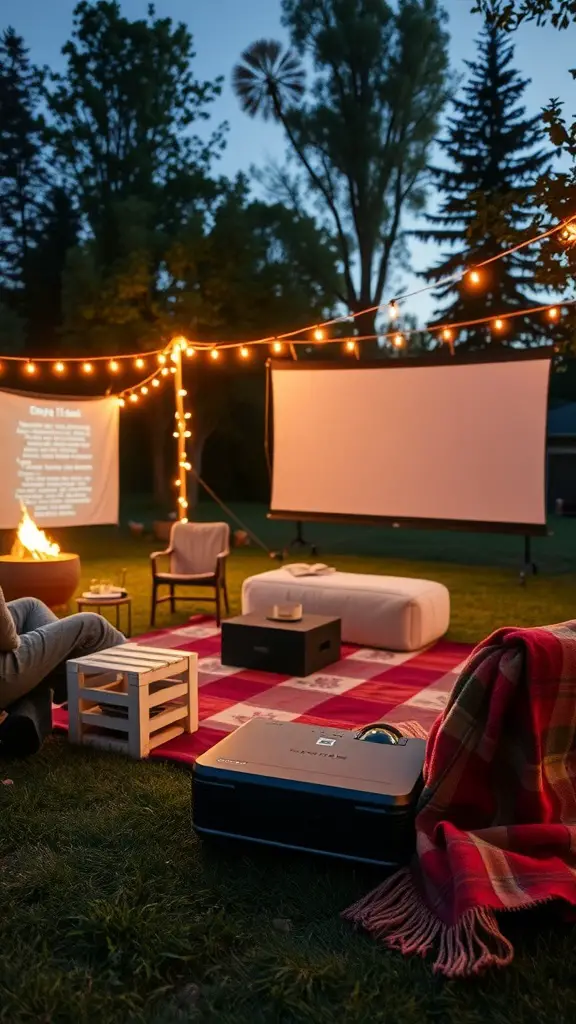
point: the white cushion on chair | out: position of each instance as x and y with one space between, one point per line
197 546
389 612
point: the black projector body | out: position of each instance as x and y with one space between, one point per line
305 787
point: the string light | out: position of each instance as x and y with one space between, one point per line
164 371
113 366
30 368
155 383
161 358
59 367
498 324
553 313
172 369
244 352
182 393
214 354
87 368
144 390
447 334
319 334
277 347
139 363
121 402
175 434
350 346
187 433
190 351
133 398
398 341
187 415
474 277
393 311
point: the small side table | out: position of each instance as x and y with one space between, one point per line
97 603
132 698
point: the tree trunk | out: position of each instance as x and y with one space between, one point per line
366 323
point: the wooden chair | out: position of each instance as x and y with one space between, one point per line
198 553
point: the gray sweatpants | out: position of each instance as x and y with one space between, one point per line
46 643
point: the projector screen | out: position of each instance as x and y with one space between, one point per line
59 458
443 443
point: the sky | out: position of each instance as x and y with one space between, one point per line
223 28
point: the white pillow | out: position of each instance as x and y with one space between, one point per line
9 639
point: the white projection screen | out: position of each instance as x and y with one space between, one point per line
59 458
446 444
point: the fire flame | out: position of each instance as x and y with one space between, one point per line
32 542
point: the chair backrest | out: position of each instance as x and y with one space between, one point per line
197 545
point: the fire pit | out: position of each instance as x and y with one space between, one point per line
37 568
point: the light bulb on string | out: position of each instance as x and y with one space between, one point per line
244 352
177 483
30 369
139 363
87 368
319 334
187 433
498 324
180 342
161 358
568 233
144 390
121 403
398 341
190 351
164 371
155 383
447 334
187 415
553 313
182 393
474 277
59 367
133 398
350 346
393 311
113 366
175 434
277 347
214 354
186 465
172 369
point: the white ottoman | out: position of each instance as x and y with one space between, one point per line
390 612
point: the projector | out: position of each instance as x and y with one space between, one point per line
309 788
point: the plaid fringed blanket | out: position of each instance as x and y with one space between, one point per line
496 822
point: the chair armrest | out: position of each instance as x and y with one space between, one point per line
221 563
155 555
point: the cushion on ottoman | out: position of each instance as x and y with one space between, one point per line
390 612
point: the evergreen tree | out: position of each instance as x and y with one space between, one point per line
22 172
494 157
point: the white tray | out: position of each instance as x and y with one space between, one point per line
112 595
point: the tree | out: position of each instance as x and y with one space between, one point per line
494 154
554 191
360 136
22 171
123 114
511 13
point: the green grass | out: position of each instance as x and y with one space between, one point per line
113 912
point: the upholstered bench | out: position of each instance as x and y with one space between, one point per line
389 612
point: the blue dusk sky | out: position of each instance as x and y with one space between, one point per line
223 28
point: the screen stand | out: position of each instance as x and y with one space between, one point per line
529 568
300 541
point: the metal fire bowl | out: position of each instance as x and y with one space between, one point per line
53 580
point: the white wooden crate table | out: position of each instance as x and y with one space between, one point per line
132 698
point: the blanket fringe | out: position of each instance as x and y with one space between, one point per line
396 914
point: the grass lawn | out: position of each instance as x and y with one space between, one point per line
112 912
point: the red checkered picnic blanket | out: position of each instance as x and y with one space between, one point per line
496 823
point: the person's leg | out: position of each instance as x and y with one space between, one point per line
29 613
42 655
